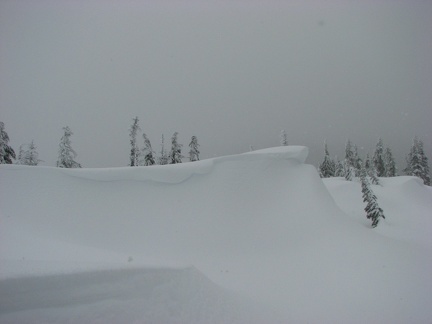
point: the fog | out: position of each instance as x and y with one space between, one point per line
233 73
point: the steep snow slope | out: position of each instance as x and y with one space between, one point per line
262 225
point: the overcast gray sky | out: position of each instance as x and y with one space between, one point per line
233 73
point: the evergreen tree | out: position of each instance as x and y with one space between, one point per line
368 163
356 161
175 155
378 159
327 168
194 152
349 162
417 162
163 158
66 153
6 152
425 165
389 163
134 153
283 138
371 172
147 152
28 155
407 169
372 209
349 171
339 168
20 158
349 153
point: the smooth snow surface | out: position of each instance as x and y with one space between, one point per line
256 237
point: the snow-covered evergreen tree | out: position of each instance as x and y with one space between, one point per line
175 155
163 158
327 168
147 153
134 152
417 162
28 154
21 154
66 153
349 171
372 209
407 169
389 163
425 165
349 153
378 159
368 163
194 152
283 138
371 172
339 168
6 152
356 161
349 162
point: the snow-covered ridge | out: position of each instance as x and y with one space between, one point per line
179 172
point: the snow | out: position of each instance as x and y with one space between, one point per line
256 237
404 199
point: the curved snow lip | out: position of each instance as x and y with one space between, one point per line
294 152
177 173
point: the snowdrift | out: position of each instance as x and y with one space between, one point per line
256 228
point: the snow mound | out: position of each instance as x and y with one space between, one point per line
261 224
177 173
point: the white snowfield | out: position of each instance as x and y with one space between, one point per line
250 238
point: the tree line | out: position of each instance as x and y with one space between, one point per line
380 164
146 156
369 170
139 155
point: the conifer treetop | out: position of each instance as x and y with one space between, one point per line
7 154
